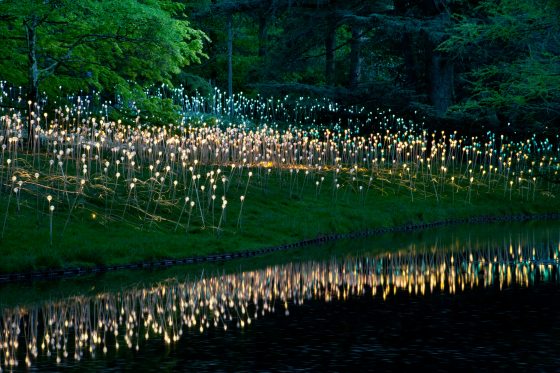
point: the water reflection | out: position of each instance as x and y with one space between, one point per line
82 327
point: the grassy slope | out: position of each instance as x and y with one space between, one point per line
270 216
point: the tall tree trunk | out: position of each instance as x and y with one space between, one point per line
32 68
212 52
441 78
263 35
330 46
230 61
32 71
410 61
355 57
441 71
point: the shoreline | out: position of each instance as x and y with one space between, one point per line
163 263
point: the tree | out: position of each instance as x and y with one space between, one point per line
294 41
510 51
116 45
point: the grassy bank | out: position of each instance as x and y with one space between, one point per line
273 217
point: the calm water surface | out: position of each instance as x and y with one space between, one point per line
469 298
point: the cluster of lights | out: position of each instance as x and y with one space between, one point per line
196 176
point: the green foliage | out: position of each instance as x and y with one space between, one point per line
194 84
158 110
512 56
98 45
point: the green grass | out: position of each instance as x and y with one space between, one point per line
271 216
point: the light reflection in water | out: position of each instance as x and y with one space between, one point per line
78 327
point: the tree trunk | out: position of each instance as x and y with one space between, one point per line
230 62
263 35
32 68
355 57
441 71
330 46
32 71
441 90
410 61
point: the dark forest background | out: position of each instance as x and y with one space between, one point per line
489 64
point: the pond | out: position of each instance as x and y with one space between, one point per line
484 296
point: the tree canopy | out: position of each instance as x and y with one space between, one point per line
510 51
115 45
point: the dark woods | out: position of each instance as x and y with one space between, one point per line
490 64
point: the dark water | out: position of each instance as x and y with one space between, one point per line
450 302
